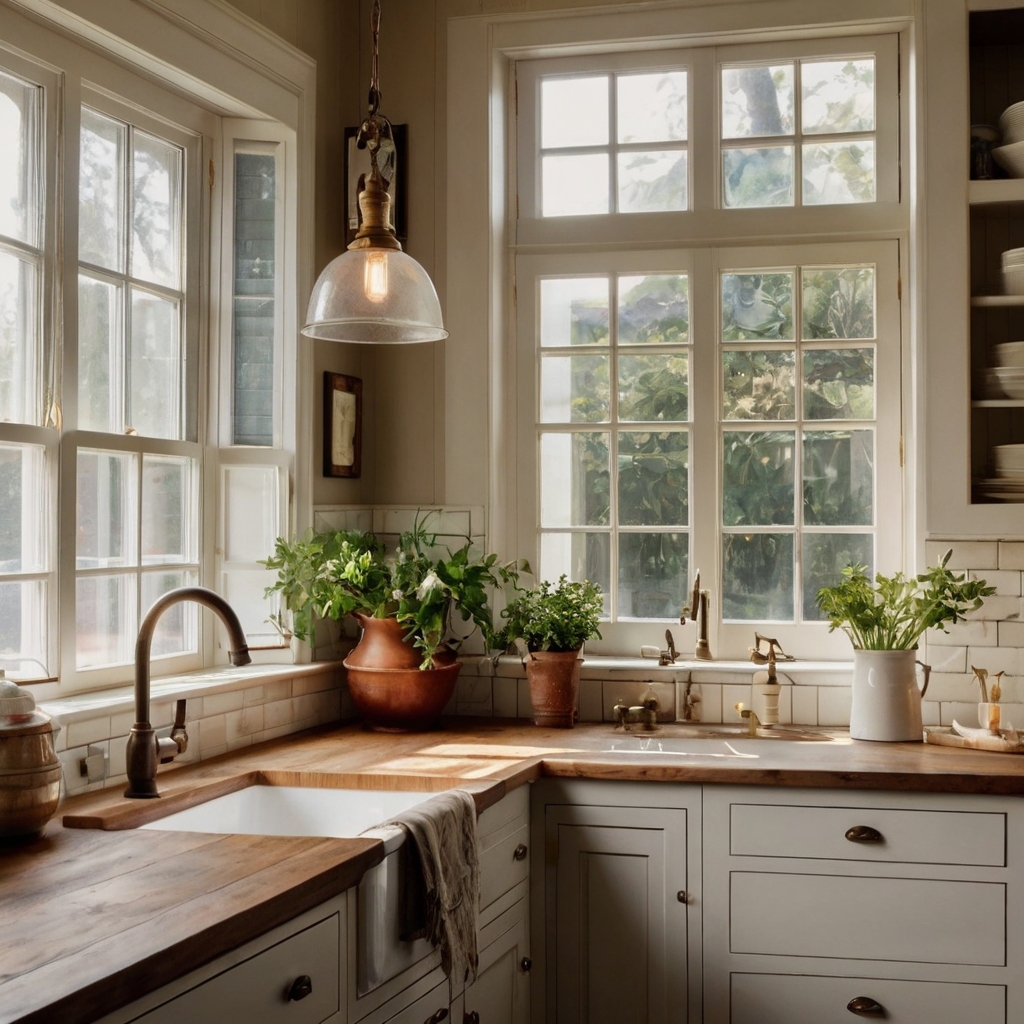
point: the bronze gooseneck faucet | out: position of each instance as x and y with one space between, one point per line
698 612
144 749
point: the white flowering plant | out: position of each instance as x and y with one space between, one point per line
558 616
350 572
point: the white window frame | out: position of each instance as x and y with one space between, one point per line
207 58
481 83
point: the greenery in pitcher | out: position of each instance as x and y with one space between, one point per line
894 613
552 616
349 572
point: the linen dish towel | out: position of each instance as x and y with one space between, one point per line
443 830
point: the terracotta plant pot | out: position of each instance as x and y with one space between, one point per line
390 691
554 687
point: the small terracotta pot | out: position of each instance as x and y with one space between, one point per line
554 687
388 688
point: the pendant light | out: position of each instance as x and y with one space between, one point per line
374 293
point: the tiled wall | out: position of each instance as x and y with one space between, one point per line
216 723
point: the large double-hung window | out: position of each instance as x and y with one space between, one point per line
709 329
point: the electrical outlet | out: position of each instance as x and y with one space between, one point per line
94 765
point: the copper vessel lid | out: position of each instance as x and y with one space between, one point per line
18 715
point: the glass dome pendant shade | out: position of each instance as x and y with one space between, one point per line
374 293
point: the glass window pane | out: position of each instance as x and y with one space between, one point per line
21 174
758 177
580 556
574 112
575 475
653 387
839 384
106 524
23 509
757 477
574 389
573 311
168 509
100 366
839 477
243 590
156 211
825 556
575 185
652 180
757 307
653 572
757 101
251 503
23 619
839 302
839 172
255 205
837 96
155 399
177 631
20 386
253 415
654 478
102 192
757 577
654 308
651 107
758 385
105 620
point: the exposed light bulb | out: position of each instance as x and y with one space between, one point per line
375 276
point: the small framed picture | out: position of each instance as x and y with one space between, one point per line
357 167
343 424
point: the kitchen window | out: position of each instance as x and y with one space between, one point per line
122 400
699 402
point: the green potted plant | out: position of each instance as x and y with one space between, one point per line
402 672
553 621
884 621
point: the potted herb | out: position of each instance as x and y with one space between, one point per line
884 621
554 621
402 672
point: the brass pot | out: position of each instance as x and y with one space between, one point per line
30 775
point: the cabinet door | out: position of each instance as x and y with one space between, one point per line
500 994
431 1008
617 924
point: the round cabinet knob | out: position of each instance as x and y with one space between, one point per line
865 1006
525 964
471 1018
683 896
863 834
520 852
301 987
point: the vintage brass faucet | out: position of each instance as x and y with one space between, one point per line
144 748
644 714
698 612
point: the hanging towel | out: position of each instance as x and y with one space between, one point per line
443 830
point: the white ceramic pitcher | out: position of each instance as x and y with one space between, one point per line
886 696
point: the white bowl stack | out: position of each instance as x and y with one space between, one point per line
1009 374
1010 155
1013 271
1008 465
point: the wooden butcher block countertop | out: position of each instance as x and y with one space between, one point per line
96 914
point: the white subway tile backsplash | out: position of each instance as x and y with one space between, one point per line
253 695
278 713
996 607
834 705
219 703
943 686
995 659
976 554
710 707
504 700
89 730
1011 555
978 633
964 713
731 696
525 708
947 659
1011 634
1006 581
805 705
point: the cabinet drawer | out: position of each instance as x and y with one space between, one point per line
912 837
852 917
256 989
783 999
504 862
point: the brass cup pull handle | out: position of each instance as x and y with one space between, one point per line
301 987
865 1006
436 1018
519 853
863 834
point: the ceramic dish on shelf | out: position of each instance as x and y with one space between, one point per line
1011 123
1008 459
1013 280
1011 380
987 385
1009 354
1010 158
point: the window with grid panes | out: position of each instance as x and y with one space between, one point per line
708 406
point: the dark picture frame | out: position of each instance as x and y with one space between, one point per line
357 164
343 425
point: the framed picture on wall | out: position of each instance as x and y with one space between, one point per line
357 166
343 424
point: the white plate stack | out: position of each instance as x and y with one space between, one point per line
1009 374
1008 483
1010 155
1013 271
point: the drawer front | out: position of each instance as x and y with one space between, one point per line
515 806
909 919
257 989
504 862
424 1009
910 837
784 999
